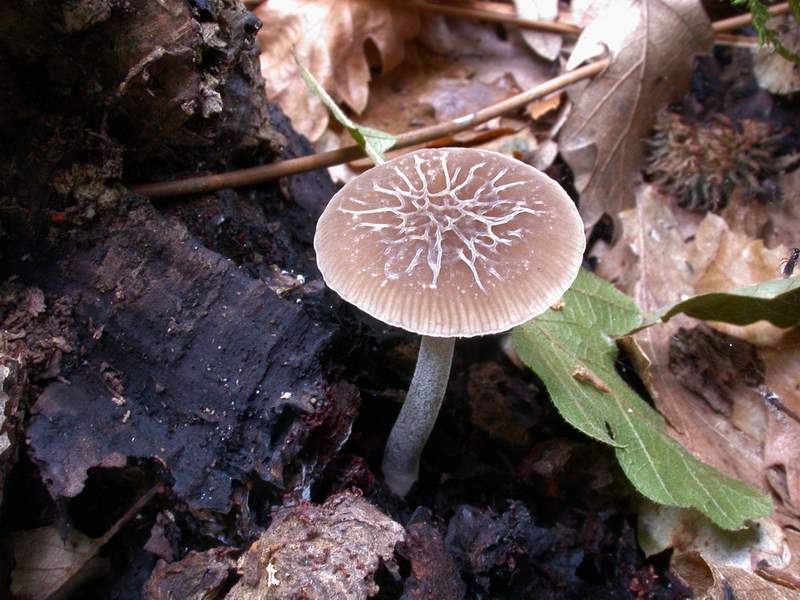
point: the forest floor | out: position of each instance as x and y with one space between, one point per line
178 380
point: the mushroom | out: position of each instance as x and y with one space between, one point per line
446 243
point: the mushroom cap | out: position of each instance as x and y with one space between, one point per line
451 242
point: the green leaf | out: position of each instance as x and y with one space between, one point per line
573 351
374 141
767 35
776 301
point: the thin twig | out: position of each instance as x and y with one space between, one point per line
254 175
738 41
740 21
135 508
496 17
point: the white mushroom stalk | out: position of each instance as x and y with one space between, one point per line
447 243
418 416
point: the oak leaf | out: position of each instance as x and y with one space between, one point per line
651 44
329 38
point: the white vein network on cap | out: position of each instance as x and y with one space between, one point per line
451 242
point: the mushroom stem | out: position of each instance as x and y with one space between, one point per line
418 415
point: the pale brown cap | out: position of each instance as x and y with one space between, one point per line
451 242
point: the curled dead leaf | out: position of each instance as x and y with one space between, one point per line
710 580
50 567
330 38
685 531
724 260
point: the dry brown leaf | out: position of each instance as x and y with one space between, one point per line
726 260
663 527
329 38
452 98
426 89
744 215
483 52
395 103
49 568
327 551
651 263
584 12
773 72
521 144
651 45
546 45
538 108
784 222
456 67
721 582
782 445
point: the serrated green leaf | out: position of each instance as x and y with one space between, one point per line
776 301
374 141
573 351
766 34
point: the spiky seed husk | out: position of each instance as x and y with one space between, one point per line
702 162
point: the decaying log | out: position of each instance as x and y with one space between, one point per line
173 79
199 332
185 360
